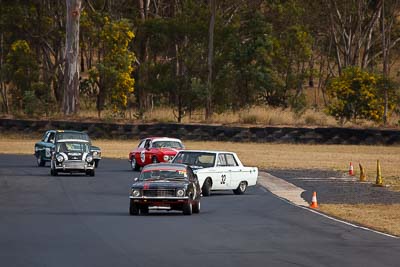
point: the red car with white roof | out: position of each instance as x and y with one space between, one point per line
154 150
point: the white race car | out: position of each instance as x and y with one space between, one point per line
72 156
218 170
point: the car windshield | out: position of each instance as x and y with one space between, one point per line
196 159
171 144
72 135
72 147
163 174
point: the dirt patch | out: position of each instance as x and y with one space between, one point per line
334 187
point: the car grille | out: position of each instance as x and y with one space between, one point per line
159 193
74 156
71 164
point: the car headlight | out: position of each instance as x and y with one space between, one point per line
166 158
180 193
60 158
95 153
135 192
89 158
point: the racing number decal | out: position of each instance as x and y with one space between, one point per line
223 179
142 156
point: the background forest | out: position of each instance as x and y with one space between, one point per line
203 58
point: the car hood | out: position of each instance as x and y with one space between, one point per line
160 184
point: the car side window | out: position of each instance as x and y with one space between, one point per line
221 160
230 160
147 144
141 144
45 136
51 138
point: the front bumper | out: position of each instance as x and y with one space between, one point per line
68 166
159 201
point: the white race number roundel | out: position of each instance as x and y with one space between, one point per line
142 156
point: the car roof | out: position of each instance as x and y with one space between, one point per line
207 151
69 131
154 138
158 166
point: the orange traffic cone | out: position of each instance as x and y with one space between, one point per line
314 203
351 169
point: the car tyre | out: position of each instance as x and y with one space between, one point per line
196 207
40 161
96 163
144 210
135 167
53 172
241 188
133 208
206 189
187 209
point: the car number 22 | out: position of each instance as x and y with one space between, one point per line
223 179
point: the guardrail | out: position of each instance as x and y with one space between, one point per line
200 132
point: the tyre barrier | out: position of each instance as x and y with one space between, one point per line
200 132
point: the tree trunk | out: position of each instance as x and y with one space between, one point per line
210 61
385 63
71 73
143 59
3 88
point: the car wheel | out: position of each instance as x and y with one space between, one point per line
154 159
135 167
206 189
144 210
133 208
187 209
40 161
53 172
96 163
92 172
196 207
241 188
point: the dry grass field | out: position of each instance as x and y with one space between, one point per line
264 155
257 115
384 218
284 156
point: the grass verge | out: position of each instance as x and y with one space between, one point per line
384 218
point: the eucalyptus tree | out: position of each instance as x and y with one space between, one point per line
71 71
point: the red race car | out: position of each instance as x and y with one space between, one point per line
153 150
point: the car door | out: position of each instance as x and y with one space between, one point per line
45 147
40 146
138 152
223 178
235 171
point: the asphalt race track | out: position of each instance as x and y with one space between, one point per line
83 221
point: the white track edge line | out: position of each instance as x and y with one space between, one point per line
331 218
